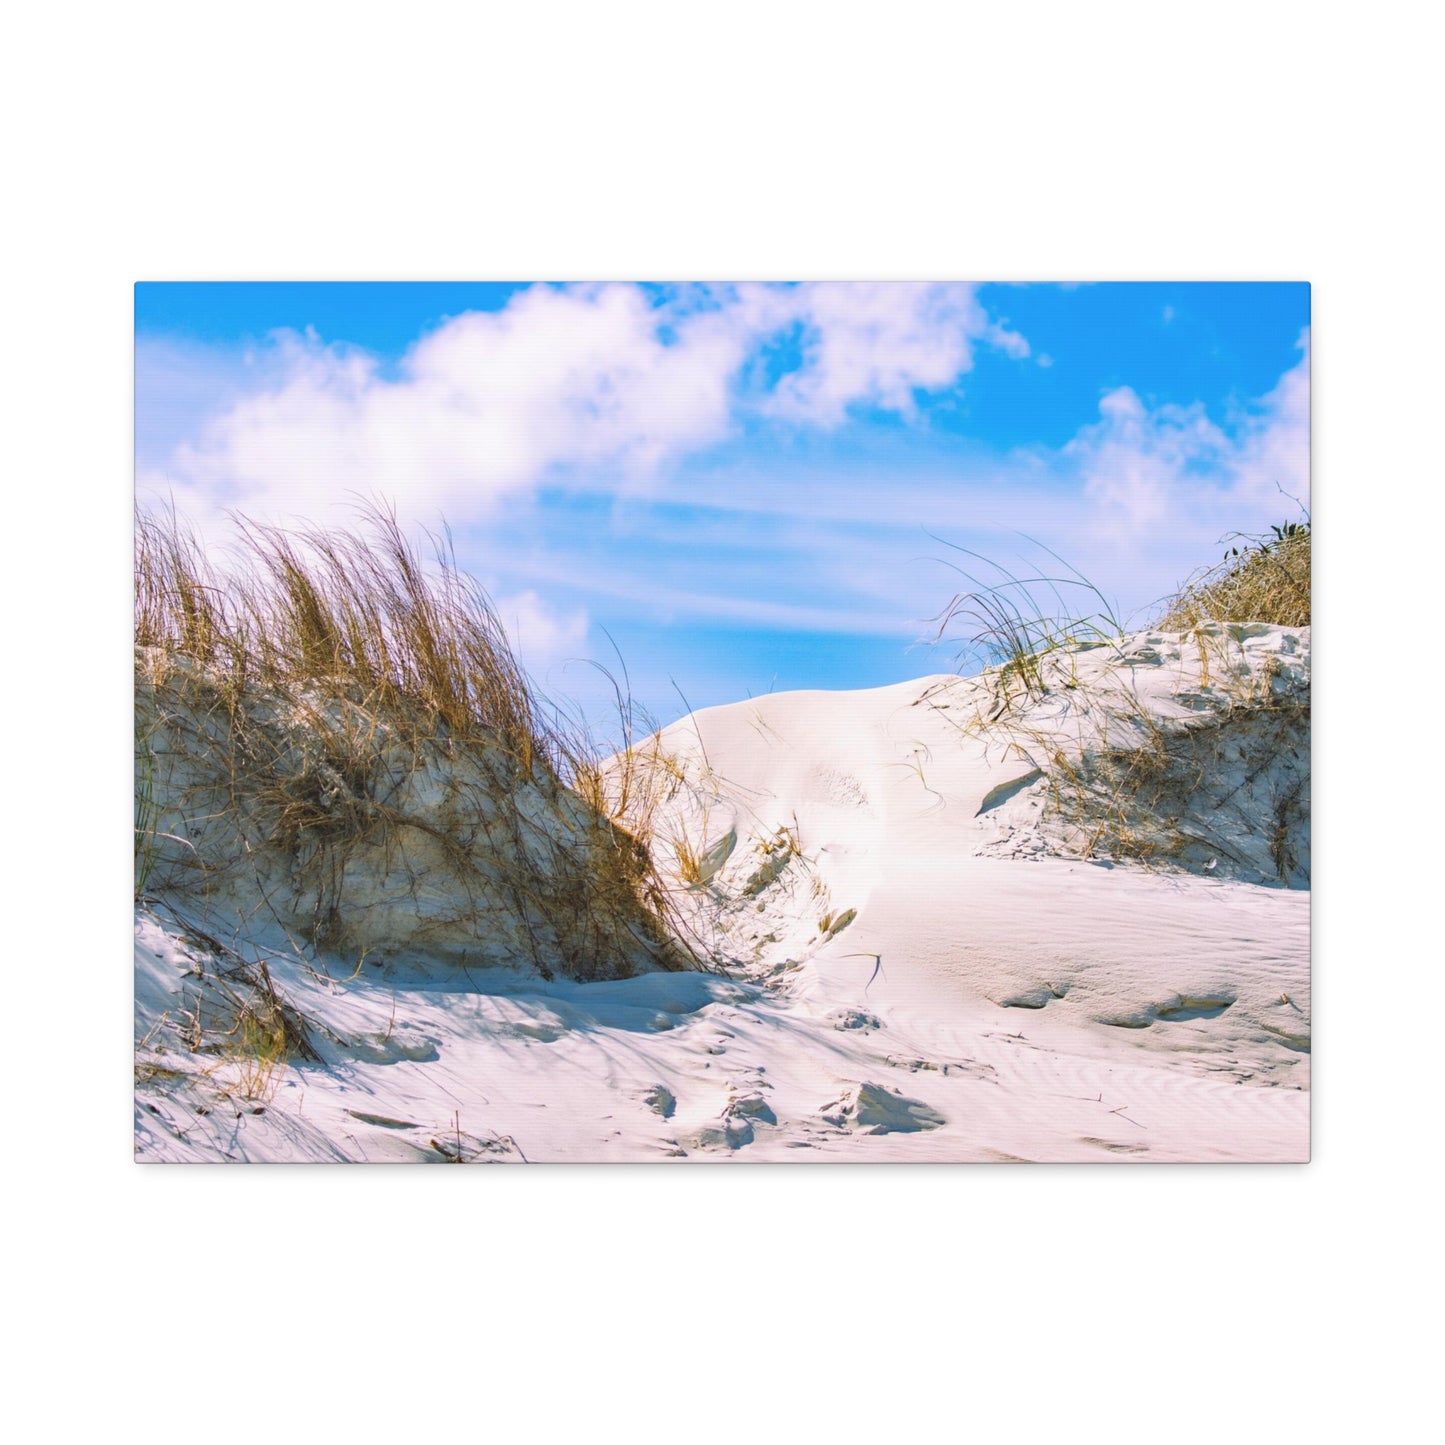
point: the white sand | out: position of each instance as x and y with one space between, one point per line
921 965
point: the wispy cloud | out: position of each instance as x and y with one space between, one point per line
754 468
1136 500
737 594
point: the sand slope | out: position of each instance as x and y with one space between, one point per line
921 963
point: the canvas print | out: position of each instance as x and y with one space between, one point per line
795 722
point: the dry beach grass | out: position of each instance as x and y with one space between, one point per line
349 801
1122 779
1265 580
335 707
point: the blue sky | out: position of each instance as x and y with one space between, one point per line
734 486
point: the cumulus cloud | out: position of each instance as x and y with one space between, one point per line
879 343
1145 467
594 377
479 408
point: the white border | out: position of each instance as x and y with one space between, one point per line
1230 142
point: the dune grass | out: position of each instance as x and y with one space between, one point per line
1119 780
359 613
1016 622
1267 579
303 675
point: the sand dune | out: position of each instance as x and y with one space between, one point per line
950 920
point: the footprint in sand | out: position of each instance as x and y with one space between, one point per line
1179 1009
1033 998
1300 1043
852 1018
872 1109
737 1124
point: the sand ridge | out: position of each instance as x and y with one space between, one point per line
922 953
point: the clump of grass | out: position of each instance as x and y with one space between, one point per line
634 786
1228 791
631 782
240 1033
1015 623
328 681
360 614
1223 786
689 861
1266 579
258 1049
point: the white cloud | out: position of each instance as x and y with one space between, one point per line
1144 468
541 636
1136 501
878 343
480 408
593 376
1274 452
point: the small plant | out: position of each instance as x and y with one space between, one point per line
258 1049
1282 533
1264 577
689 864
1020 622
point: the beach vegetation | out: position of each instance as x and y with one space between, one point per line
1014 622
1120 780
1262 578
338 705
